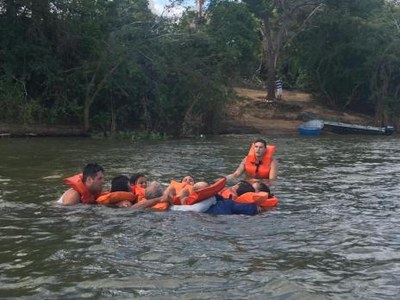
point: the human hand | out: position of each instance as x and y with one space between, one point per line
124 203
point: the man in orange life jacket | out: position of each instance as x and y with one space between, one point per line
86 188
259 163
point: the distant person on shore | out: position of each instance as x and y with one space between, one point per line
85 187
258 164
278 88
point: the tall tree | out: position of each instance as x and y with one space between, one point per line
281 21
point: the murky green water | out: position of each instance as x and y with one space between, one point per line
334 235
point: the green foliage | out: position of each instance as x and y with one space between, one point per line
349 55
110 65
114 67
235 37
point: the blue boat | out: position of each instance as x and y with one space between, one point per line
311 128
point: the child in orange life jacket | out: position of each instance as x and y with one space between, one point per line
139 180
188 179
138 185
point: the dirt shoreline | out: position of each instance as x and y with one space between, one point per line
13 130
252 114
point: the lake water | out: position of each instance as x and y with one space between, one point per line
334 235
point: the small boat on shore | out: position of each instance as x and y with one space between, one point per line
311 128
342 128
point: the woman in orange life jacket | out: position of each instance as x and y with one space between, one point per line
85 187
258 164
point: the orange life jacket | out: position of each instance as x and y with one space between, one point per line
163 206
140 196
259 169
115 197
76 182
261 199
204 193
139 192
179 186
227 193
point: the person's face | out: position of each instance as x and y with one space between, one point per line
95 184
142 182
188 179
259 149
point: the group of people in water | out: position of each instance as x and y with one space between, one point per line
249 196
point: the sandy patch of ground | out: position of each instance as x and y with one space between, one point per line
253 114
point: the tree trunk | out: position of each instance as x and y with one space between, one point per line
113 128
272 45
89 99
270 83
380 111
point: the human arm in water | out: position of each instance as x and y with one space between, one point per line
70 197
166 197
148 203
239 171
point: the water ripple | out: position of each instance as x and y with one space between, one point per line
334 234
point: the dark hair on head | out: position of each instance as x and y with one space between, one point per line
91 170
120 184
263 187
135 177
261 141
244 187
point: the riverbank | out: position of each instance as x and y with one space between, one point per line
250 114
253 114
13 130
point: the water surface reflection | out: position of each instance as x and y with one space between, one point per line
334 234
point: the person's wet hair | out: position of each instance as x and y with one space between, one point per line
120 184
91 170
134 178
260 141
154 190
263 187
244 187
